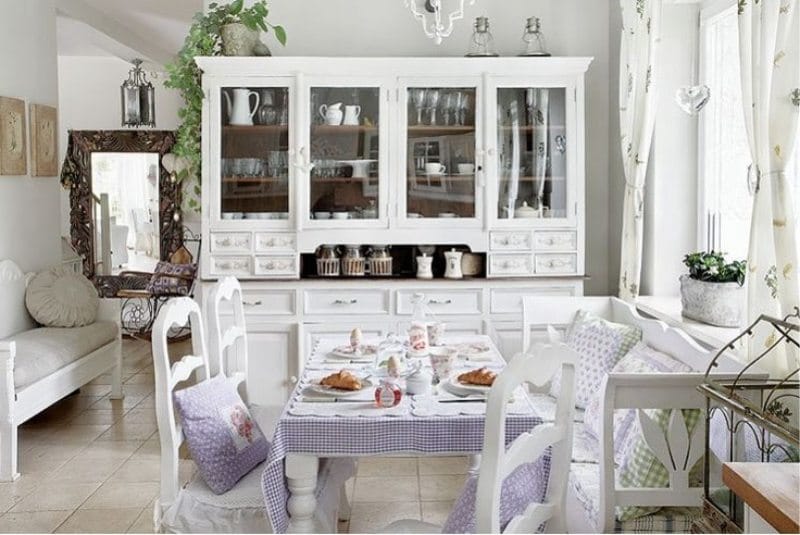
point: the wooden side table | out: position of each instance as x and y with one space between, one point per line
770 492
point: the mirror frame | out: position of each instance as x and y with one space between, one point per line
82 144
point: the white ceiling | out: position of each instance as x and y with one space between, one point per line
161 23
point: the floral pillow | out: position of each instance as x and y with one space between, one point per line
172 279
524 486
223 438
600 344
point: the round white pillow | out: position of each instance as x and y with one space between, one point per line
60 297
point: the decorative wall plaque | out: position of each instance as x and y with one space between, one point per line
44 140
13 153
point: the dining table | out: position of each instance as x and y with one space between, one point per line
316 425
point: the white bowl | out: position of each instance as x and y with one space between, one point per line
340 215
414 215
447 215
322 215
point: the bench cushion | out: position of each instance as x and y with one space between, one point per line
42 351
584 484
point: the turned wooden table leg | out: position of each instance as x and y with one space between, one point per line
301 474
474 464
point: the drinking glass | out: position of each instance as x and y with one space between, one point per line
448 107
418 98
458 101
432 101
464 109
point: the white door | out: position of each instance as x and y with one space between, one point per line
273 366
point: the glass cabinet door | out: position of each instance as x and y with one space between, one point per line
532 154
345 155
254 153
440 161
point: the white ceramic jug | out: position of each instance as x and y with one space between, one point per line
332 114
352 114
240 113
452 268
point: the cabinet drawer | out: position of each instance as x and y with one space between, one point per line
458 302
510 241
230 265
555 240
266 302
268 242
276 266
509 301
510 265
230 242
346 301
556 263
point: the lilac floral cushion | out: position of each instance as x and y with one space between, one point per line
600 344
524 486
224 440
641 359
172 279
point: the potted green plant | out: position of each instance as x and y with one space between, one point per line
205 39
712 292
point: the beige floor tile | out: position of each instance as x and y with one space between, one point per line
41 466
42 452
436 512
149 450
111 449
141 379
441 487
100 521
443 465
56 496
97 417
387 466
139 390
140 416
128 402
147 403
144 522
380 489
129 431
138 471
83 470
76 434
95 390
32 522
113 495
371 517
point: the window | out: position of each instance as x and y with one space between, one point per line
725 199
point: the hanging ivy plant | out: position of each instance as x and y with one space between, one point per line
184 75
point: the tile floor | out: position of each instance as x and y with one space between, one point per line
90 464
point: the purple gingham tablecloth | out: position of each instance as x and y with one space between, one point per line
336 436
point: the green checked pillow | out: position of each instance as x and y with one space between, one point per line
600 344
641 469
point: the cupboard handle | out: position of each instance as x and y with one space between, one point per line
293 379
345 302
440 302
252 303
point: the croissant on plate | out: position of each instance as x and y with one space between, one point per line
343 380
481 377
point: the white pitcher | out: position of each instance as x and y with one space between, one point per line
352 115
240 113
332 114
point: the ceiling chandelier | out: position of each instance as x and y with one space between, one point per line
435 24
138 98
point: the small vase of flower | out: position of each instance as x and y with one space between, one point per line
712 292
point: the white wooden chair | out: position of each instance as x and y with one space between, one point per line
498 462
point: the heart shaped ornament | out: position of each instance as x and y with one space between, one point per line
692 99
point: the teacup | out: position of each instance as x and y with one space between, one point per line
435 168
435 333
466 168
442 361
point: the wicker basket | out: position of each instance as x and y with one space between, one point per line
328 267
353 267
380 267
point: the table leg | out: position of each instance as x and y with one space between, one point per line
301 474
474 464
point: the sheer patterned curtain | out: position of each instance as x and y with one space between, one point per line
641 24
769 55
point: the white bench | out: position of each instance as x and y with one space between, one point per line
41 365
592 489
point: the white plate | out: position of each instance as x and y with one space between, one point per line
367 352
317 388
456 387
475 351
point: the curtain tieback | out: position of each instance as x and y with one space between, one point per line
638 198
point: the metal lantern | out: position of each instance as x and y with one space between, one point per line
138 98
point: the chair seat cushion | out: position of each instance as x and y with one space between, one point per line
585 448
42 351
584 484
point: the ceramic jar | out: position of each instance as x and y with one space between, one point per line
327 261
424 266
353 262
453 264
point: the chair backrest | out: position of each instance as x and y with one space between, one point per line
176 312
228 339
541 311
497 462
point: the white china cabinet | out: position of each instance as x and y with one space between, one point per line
485 154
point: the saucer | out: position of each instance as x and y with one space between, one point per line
433 174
